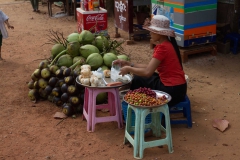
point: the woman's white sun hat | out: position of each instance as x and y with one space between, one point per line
159 25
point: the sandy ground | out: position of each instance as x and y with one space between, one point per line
29 131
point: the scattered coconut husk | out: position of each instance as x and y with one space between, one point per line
59 115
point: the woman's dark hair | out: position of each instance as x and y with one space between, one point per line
174 43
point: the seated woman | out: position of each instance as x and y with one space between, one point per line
166 60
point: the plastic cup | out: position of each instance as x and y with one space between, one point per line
115 69
116 66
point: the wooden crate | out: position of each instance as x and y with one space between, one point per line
185 52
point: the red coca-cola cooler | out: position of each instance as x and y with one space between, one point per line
96 21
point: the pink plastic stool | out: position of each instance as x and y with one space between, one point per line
90 107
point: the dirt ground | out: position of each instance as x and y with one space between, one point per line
29 131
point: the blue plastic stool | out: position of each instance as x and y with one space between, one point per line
235 37
138 141
185 108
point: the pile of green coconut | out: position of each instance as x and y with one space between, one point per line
54 78
97 51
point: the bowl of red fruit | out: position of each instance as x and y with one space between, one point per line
146 97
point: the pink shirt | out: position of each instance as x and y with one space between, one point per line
170 70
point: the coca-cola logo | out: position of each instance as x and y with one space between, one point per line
98 17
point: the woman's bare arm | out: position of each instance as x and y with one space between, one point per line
141 69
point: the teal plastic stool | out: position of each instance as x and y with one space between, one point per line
138 141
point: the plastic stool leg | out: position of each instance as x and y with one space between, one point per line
189 117
89 110
137 132
187 113
85 104
168 128
142 131
111 104
156 124
119 107
235 47
118 113
128 124
94 109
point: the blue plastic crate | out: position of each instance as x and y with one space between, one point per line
124 109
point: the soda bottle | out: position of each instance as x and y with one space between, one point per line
90 5
86 5
101 3
82 5
95 5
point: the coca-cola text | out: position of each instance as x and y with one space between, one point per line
98 17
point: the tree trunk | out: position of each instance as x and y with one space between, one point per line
110 7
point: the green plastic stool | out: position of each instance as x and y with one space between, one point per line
138 141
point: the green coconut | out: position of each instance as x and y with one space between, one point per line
77 69
101 98
56 49
73 37
88 49
108 58
114 51
73 49
123 57
95 60
100 42
86 37
104 67
65 60
78 58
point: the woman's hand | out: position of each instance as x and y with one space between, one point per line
10 27
121 62
124 70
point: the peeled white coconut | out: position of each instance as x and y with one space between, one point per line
94 81
107 73
86 66
86 72
85 81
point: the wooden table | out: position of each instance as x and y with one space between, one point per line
74 6
68 9
124 18
65 3
186 51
